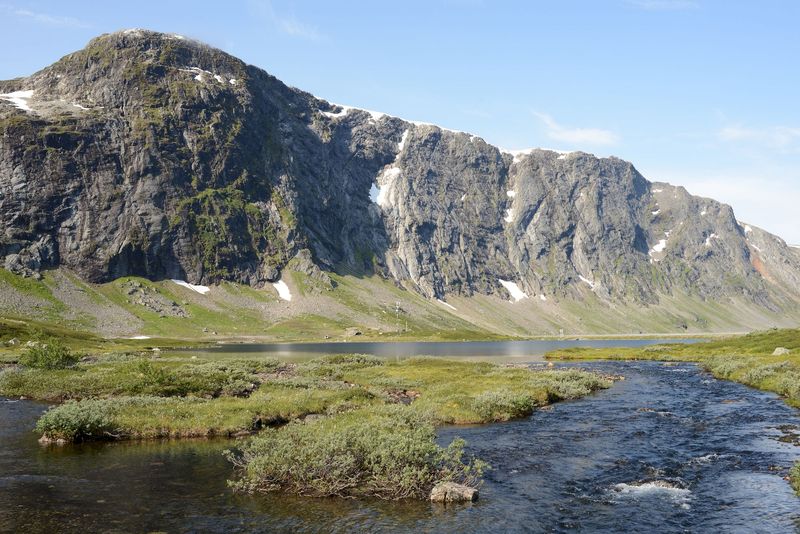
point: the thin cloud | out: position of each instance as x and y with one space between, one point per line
44 18
775 137
664 5
295 28
287 24
576 136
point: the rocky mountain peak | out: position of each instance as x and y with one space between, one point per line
151 154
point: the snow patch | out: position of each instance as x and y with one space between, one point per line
511 194
709 238
196 288
419 123
658 190
440 301
200 74
463 197
660 246
19 99
139 337
703 213
387 178
338 114
587 281
374 193
516 293
283 290
747 229
233 81
509 215
542 298
656 212
76 105
519 155
402 144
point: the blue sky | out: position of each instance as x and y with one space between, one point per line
699 93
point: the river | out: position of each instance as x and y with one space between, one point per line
669 449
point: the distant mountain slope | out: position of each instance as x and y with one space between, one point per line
152 155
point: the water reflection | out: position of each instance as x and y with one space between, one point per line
533 350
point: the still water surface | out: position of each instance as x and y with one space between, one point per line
669 449
497 351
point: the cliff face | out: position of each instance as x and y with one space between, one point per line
152 155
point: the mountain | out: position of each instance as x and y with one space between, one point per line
151 155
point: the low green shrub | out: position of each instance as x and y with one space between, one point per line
389 453
503 404
335 365
49 354
758 374
564 384
98 419
787 384
725 366
76 421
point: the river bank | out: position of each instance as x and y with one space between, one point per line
768 361
331 408
670 449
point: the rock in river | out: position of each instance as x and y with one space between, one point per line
452 492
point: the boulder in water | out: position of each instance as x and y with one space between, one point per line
452 492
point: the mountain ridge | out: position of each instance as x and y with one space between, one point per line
158 156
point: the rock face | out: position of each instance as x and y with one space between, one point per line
149 154
446 492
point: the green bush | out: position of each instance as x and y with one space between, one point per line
502 405
335 365
99 419
76 421
389 453
50 354
756 375
725 366
568 383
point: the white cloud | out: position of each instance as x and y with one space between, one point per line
288 24
576 136
664 5
774 137
44 18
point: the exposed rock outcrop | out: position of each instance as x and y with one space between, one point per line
149 154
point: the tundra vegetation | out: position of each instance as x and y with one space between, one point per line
347 425
768 360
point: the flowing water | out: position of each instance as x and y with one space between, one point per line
669 449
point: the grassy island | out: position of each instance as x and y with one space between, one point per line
346 425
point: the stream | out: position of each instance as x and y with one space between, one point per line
668 449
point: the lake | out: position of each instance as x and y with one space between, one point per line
500 351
